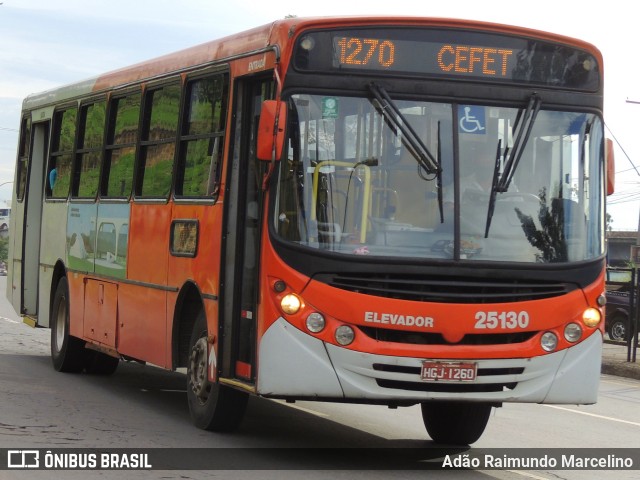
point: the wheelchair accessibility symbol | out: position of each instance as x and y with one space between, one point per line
472 119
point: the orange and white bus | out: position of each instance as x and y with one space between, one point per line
391 211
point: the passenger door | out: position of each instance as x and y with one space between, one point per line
242 230
27 245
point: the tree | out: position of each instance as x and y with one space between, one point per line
550 239
4 249
609 222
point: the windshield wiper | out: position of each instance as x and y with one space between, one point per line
524 124
501 182
439 179
394 117
494 189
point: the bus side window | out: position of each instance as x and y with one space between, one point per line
60 160
120 152
201 140
89 151
158 142
23 157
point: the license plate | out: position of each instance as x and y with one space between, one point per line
448 371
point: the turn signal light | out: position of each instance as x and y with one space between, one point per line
591 317
290 304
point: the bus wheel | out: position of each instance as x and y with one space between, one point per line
98 363
455 423
67 352
212 406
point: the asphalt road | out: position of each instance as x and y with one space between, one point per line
145 407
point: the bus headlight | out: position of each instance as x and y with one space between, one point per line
290 304
315 322
572 332
345 335
591 317
549 341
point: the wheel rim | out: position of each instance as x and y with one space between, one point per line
618 331
200 384
61 323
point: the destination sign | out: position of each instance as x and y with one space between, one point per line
455 54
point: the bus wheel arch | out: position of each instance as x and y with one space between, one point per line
59 272
213 406
67 352
187 309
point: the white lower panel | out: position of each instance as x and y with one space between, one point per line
292 363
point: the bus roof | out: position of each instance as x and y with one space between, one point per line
257 40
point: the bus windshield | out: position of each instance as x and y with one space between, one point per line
352 183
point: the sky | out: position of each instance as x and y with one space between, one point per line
48 43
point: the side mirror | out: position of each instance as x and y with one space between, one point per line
611 166
273 118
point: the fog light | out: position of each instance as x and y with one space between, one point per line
572 332
290 304
549 341
345 335
315 322
591 317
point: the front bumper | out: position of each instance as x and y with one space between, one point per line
293 364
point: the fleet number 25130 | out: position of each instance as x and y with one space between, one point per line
508 320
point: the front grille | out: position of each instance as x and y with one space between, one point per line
447 387
427 338
482 372
445 289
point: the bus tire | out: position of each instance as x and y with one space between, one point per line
455 423
67 352
212 406
98 363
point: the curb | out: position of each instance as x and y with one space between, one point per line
620 369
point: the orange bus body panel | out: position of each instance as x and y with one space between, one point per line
142 309
100 311
203 269
200 55
142 325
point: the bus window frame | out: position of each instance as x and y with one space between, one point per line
144 142
184 138
55 137
24 153
79 151
110 146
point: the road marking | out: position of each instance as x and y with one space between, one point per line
528 475
302 409
635 424
8 320
629 382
